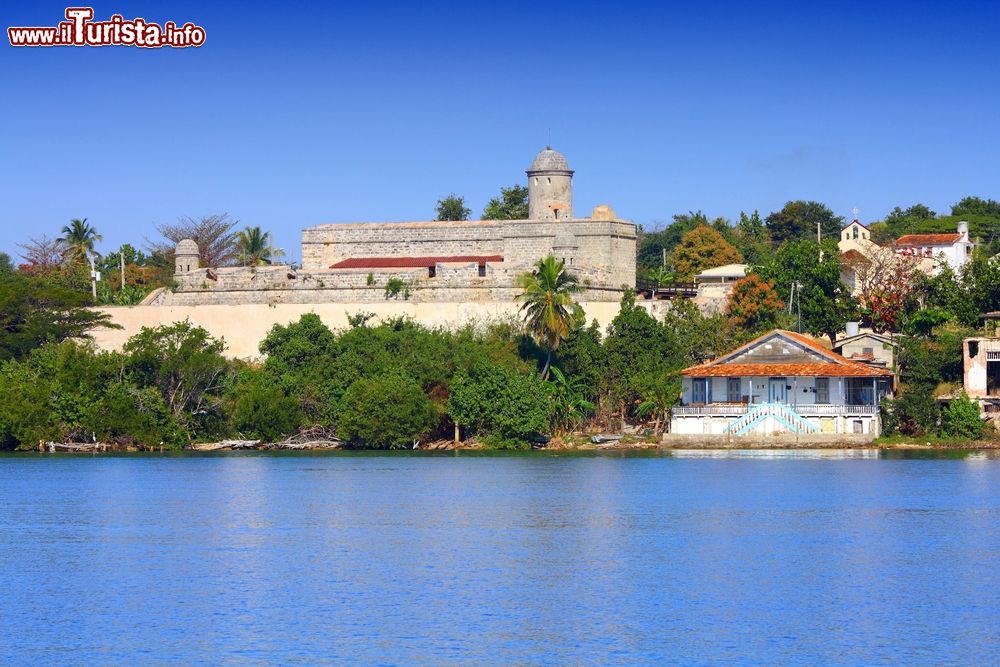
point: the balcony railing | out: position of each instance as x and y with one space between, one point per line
806 410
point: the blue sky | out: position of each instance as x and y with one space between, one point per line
297 113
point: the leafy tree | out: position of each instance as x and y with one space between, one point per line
797 221
299 357
547 304
651 246
754 304
261 408
512 204
6 265
254 246
822 299
752 239
699 337
917 212
33 311
569 401
923 321
703 248
948 292
77 240
386 411
452 207
960 419
915 412
981 281
635 342
217 242
659 388
581 356
505 406
186 365
975 206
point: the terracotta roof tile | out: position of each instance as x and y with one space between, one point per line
411 262
927 239
837 366
848 369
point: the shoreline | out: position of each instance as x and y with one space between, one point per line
444 446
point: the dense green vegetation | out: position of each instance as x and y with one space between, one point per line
390 384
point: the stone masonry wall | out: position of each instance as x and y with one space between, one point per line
600 252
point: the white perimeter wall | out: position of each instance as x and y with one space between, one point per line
243 327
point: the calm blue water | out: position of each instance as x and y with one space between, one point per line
258 559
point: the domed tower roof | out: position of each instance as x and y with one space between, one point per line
549 160
186 247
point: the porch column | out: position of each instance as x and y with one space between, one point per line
750 391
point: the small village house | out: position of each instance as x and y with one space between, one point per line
867 347
781 383
952 249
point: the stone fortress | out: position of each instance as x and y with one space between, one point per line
463 261
448 273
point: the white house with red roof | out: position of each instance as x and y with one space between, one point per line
782 382
952 249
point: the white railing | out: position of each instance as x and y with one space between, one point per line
808 410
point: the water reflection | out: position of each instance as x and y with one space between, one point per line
791 557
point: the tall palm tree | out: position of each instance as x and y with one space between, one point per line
548 306
254 246
78 239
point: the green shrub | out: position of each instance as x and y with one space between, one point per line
387 411
261 409
505 406
960 419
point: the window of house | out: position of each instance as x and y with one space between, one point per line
431 271
733 390
699 390
855 233
482 270
868 350
968 250
822 390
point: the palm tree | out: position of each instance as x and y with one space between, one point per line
569 401
548 306
254 245
78 239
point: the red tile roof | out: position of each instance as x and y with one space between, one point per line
849 369
411 262
927 239
837 366
852 256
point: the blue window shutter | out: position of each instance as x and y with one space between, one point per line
708 391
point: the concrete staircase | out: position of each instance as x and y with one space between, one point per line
780 412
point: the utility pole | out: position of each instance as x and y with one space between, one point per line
121 257
93 276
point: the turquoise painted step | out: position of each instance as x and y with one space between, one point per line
784 414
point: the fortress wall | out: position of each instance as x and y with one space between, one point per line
244 326
328 244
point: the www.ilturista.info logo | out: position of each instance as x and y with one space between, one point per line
80 30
